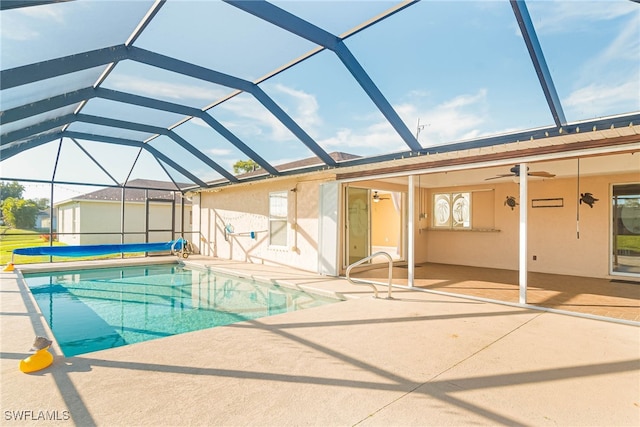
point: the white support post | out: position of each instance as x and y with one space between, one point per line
524 205
411 233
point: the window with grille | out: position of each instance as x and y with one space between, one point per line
278 209
452 210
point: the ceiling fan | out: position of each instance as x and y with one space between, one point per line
515 171
377 197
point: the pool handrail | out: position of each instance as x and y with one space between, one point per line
368 282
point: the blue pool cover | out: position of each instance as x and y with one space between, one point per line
85 250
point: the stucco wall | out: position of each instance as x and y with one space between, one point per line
552 231
105 217
552 235
388 218
246 208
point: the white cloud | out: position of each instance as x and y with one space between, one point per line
455 119
419 93
375 139
627 44
19 31
199 122
625 47
219 152
564 16
464 100
162 89
253 119
304 107
450 121
22 24
592 100
610 80
46 14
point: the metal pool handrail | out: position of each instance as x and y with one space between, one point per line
368 282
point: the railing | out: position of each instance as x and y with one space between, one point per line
369 283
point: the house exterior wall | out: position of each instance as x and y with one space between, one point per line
246 209
493 243
43 221
105 217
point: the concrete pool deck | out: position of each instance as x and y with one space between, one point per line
419 359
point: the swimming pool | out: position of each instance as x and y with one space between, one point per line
97 309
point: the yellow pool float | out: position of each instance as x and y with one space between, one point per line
40 359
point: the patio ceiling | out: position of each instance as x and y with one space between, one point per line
108 92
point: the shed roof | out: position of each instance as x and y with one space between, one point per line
137 190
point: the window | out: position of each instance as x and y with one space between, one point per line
452 210
278 209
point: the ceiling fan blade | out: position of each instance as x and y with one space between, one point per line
504 175
515 172
542 174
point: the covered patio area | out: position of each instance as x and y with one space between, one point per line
615 298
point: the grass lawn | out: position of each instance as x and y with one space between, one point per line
11 239
15 238
629 243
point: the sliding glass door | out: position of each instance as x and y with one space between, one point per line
625 230
358 224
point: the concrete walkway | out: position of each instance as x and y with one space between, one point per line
419 359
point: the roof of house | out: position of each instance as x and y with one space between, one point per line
300 165
135 192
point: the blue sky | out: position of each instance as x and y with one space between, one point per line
460 67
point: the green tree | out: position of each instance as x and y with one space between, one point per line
42 203
242 166
19 213
13 189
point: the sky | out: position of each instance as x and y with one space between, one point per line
459 68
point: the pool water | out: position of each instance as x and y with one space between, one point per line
97 309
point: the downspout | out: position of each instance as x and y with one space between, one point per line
294 225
